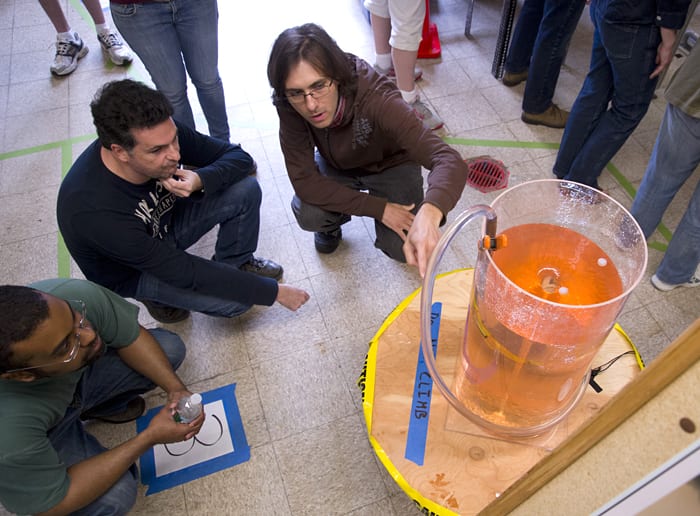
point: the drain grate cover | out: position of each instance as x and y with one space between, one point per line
486 174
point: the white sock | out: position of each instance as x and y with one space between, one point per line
70 35
410 96
101 28
384 61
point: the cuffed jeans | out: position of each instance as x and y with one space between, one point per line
622 59
108 385
402 184
675 156
236 210
540 43
174 38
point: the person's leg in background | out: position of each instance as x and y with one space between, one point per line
559 21
523 42
109 39
197 29
589 106
397 26
679 265
149 31
70 47
631 55
675 157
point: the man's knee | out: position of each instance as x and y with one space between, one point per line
309 218
118 500
246 191
390 244
171 344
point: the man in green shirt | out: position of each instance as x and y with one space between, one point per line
71 350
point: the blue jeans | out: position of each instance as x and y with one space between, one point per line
622 59
540 42
402 184
236 210
175 38
674 158
109 384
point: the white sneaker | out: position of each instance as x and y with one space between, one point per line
391 72
68 51
665 287
423 112
113 45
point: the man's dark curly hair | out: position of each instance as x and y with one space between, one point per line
120 106
312 44
22 310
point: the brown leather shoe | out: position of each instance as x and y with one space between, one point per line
513 79
263 267
164 313
553 116
134 410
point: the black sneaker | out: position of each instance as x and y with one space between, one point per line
134 410
164 313
328 242
263 267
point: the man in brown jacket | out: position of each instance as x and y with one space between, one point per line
352 146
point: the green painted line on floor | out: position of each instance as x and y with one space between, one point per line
63 256
66 147
66 158
659 246
47 146
29 150
501 143
665 232
620 178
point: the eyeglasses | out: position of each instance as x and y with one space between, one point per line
71 348
316 91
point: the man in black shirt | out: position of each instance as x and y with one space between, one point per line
138 197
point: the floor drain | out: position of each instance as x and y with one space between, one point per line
486 174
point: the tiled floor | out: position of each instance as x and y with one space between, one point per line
295 372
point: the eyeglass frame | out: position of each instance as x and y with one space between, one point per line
314 92
76 346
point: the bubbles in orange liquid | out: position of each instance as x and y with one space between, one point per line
558 264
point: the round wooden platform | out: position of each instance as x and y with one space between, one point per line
445 463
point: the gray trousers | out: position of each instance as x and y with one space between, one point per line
402 184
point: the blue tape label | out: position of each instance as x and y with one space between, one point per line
422 394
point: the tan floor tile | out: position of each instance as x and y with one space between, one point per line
302 390
253 487
329 469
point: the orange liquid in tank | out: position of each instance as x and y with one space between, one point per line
524 375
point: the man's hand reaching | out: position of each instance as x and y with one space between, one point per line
291 297
423 237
